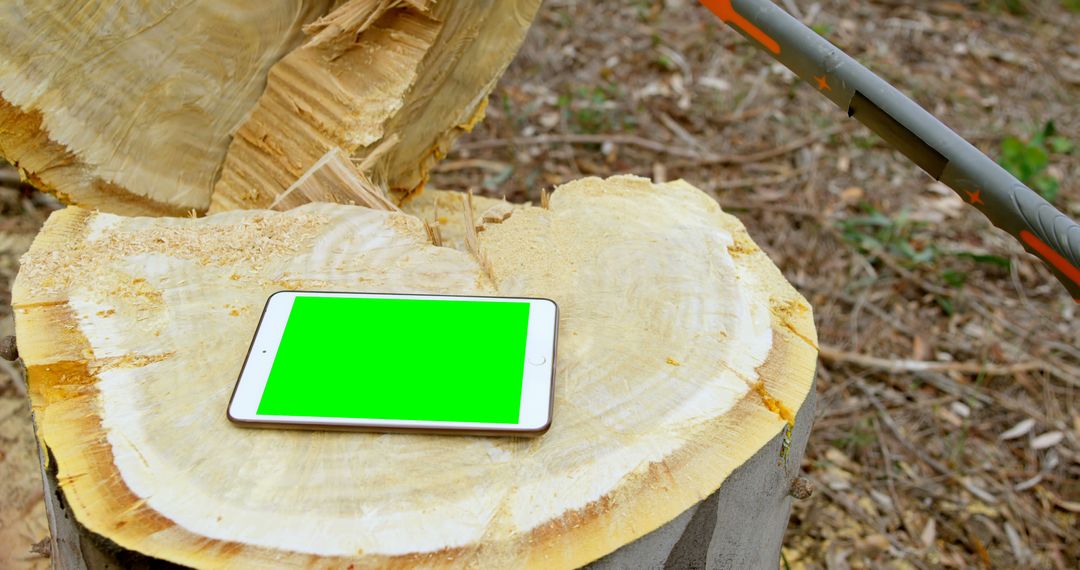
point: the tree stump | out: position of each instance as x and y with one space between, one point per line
684 387
682 354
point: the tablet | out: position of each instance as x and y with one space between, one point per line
387 362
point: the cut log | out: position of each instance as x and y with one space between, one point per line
683 356
165 108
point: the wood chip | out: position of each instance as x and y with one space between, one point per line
498 213
1016 543
1018 430
978 491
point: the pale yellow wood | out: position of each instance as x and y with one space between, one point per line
129 107
446 211
334 179
681 352
388 77
168 107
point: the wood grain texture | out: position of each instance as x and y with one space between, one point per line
163 108
682 351
129 107
389 82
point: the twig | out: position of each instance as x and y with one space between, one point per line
858 514
934 464
623 139
471 164
696 157
678 130
9 177
793 8
758 181
16 375
903 365
891 484
773 152
772 207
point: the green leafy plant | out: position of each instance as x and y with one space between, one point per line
860 436
1028 160
589 111
823 30
1012 6
874 233
911 244
956 276
1020 7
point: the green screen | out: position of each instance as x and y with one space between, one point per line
403 359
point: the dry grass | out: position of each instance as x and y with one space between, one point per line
909 458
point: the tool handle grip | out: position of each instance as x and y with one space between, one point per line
1049 234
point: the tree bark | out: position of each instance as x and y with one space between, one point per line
682 353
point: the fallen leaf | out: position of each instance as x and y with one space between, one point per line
1018 430
882 499
960 409
929 534
852 194
1025 485
1070 506
1020 550
549 120
950 417
977 490
981 508
873 545
920 349
837 457
1047 440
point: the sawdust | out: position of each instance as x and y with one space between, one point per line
214 241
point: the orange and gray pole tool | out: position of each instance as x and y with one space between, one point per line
1008 203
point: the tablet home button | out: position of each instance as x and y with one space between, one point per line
537 360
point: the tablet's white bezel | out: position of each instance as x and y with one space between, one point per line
537 380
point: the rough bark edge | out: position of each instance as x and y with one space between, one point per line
741 525
64 400
691 540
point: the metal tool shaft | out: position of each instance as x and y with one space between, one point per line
1007 202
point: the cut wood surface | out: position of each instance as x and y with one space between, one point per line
163 108
682 352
